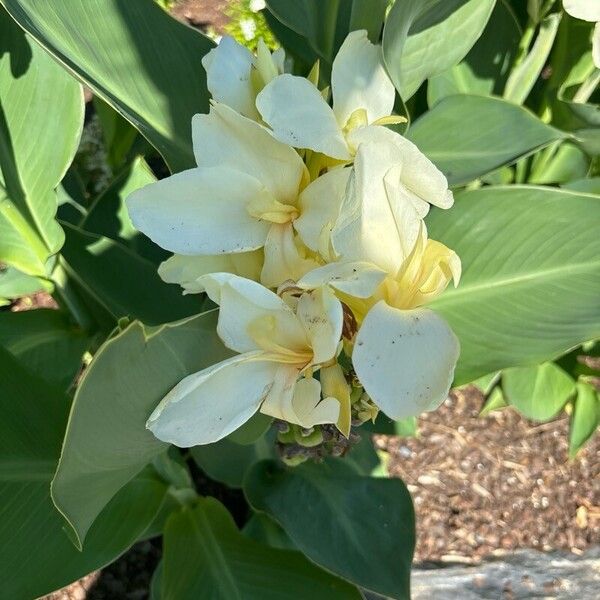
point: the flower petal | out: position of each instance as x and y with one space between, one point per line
319 207
358 279
206 406
299 116
377 221
420 177
185 270
586 10
228 68
200 211
359 80
225 138
405 359
285 258
298 401
321 315
243 304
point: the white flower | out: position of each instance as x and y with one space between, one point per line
587 10
278 347
248 192
234 75
362 94
403 355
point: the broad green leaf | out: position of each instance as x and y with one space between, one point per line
330 513
108 215
369 15
106 443
228 462
585 417
207 558
485 69
496 401
46 342
133 55
589 185
422 38
41 116
559 163
486 383
252 430
36 555
122 281
468 136
539 392
323 24
14 284
524 75
531 275
263 529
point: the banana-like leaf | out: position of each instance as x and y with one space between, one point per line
468 136
41 116
422 38
135 56
531 275
107 443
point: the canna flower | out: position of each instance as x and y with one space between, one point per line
248 192
362 91
234 76
404 355
279 346
587 10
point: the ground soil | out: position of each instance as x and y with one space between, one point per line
481 485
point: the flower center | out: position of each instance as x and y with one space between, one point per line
265 207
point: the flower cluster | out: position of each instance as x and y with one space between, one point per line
304 222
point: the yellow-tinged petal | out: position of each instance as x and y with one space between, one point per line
405 359
206 406
334 385
185 270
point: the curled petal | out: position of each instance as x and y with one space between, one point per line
186 270
320 207
200 211
359 80
586 10
405 359
321 315
250 312
225 138
206 406
299 116
228 68
298 401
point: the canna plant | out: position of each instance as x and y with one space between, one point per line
289 249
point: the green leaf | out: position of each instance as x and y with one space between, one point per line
589 185
323 24
585 417
263 529
424 38
106 443
46 342
33 416
108 215
14 284
228 462
559 163
496 401
468 136
207 558
41 116
485 69
122 281
137 58
330 514
524 76
531 275
369 15
539 392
